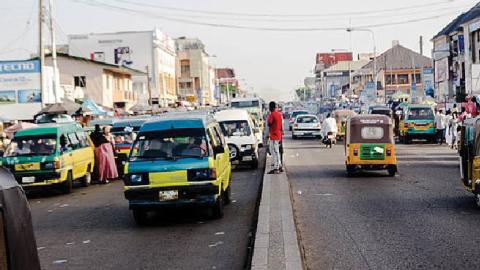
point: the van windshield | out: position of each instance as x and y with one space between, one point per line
170 144
245 104
420 114
235 128
39 145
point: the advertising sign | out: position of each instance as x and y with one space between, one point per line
370 91
427 81
441 70
329 59
20 95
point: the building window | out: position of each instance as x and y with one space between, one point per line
185 68
418 78
80 81
403 78
390 79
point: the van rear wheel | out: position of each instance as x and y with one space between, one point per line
87 179
67 186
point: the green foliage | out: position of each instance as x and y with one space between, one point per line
304 93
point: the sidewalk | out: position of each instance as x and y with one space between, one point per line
276 244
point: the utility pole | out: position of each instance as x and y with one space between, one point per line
149 90
421 45
56 84
41 50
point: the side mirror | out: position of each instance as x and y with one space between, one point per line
218 150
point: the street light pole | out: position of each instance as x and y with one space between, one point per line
374 73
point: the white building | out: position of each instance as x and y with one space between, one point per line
193 71
137 50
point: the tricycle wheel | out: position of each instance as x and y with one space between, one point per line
350 170
392 170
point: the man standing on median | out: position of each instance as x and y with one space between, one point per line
274 122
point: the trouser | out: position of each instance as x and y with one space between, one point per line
440 135
275 152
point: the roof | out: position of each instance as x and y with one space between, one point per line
225 73
135 122
453 26
370 119
101 122
346 65
111 66
399 57
231 115
48 129
419 106
178 120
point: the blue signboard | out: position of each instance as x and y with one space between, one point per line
461 44
427 81
370 90
12 67
333 90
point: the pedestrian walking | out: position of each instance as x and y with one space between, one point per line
440 126
448 128
274 122
104 156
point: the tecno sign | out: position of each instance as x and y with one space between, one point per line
20 67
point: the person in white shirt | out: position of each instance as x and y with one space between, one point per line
440 126
329 125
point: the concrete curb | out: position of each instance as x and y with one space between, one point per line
276 242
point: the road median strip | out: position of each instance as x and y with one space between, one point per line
276 242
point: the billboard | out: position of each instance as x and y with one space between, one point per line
20 94
441 70
427 81
329 59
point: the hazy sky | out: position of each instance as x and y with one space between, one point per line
273 63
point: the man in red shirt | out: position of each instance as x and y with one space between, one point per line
274 122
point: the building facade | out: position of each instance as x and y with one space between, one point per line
456 56
107 85
228 84
193 71
137 50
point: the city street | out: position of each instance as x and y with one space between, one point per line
92 228
420 219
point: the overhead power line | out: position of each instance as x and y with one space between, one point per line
229 13
258 28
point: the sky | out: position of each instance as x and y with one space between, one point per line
272 63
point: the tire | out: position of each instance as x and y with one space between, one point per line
392 171
140 216
217 208
350 170
67 186
87 179
294 137
228 194
234 152
254 164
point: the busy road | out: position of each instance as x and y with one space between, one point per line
420 219
92 228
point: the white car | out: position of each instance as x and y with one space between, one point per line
238 129
306 125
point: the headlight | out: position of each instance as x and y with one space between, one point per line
136 178
201 175
48 165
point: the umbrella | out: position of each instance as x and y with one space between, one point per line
66 107
10 131
400 95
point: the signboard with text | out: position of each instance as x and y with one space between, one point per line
20 94
427 81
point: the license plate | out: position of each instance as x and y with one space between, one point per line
421 128
330 136
27 167
247 158
28 179
168 195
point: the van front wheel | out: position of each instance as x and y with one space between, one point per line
140 216
87 179
67 186
217 208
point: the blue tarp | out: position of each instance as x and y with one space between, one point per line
90 105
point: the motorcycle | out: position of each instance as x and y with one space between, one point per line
329 140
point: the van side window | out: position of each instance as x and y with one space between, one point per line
214 134
82 138
74 142
64 143
220 134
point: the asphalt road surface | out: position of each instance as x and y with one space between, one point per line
92 228
420 219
